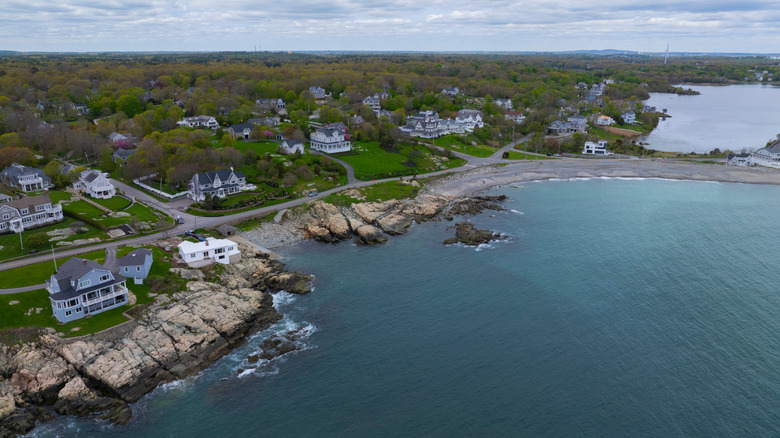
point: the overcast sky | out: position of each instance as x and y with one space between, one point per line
378 25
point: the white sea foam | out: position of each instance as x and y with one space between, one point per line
483 246
282 298
515 211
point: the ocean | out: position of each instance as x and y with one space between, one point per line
612 308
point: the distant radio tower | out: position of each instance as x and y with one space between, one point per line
667 53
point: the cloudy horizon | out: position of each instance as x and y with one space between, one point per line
392 25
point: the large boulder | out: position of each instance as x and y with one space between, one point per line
292 282
77 399
467 234
369 235
395 223
39 373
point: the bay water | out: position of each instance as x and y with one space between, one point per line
734 117
612 308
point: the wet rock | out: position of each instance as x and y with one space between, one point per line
369 235
292 282
467 234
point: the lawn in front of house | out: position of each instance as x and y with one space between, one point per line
10 247
115 203
454 143
260 147
377 193
38 273
372 162
57 195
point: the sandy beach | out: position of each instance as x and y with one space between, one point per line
465 183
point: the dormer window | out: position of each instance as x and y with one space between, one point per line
105 277
84 283
25 210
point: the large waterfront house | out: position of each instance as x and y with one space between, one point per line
96 184
558 127
595 148
136 265
219 183
25 178
450 92
82 287
271 104
425 124
629 117
197 254
28 212
199 122
330 139
768 156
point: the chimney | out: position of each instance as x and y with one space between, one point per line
84 261
207 242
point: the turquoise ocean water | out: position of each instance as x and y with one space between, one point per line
614 308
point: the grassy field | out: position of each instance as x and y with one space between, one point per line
57 195
10 247
116 203
260 147
40 272
377 193
453 143
518 155
372 162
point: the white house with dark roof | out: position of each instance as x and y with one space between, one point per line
290 147
6 198
330 139
118 138
374 102
515 116
768 156
136 265
629 117
425 124
470 119
83 287
219 183
25 178
96 184
199 122
271 104
28 212
742 160
450 92
211 250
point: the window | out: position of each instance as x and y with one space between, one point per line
85 283
126 269
25 210
40 207
205 253
137 269
68 312
72 303
6 216
104 277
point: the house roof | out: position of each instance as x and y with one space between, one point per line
226 229
223 174
17 170
92 175
124 153
242 126
135 258
29 201
5 198
76 268
773 148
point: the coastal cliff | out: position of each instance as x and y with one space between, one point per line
102 373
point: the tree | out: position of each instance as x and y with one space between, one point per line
289 179
129 104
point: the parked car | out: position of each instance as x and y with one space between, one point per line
190 233
313 194
179 220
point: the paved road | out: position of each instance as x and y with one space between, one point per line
16 290
350 170
176 208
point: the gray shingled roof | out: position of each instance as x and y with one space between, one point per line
135 258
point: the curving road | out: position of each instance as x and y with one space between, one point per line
177 207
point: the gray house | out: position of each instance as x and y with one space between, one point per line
120 156
82 287
136 265
24 178
219 183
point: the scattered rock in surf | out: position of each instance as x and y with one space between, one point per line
467 234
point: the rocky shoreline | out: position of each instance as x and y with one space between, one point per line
102 373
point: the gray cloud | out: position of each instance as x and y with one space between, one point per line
98 25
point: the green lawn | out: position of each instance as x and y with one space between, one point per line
376 193
9 243
40 272
260 147
517 155
453 143
143 213
116 203
13 316
82 209
57 195
373 162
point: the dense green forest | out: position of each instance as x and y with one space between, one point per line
54 105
